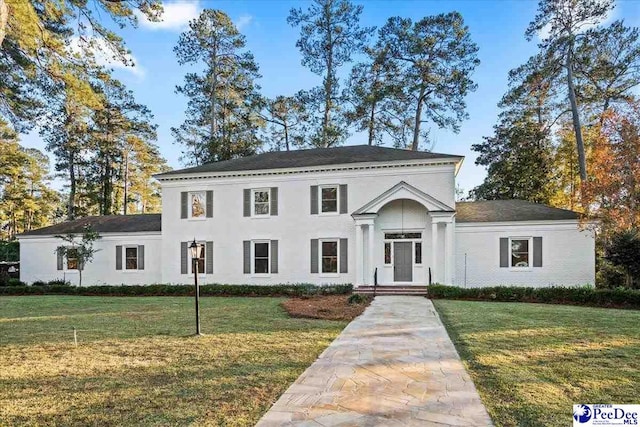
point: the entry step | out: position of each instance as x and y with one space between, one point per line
392 290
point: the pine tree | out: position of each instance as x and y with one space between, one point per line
224 104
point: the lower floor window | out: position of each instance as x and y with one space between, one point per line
131 258
261 257
519 252
72 259
329 256
200 260
387 253
418 252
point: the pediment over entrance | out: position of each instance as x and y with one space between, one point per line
402 190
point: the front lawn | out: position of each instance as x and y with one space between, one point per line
137 363
532 362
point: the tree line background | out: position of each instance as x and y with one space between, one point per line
567 135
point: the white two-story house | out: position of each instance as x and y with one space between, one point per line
354 214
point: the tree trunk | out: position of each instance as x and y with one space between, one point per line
371 123
4 17
286 135
106 187
125 182
72 188
213 98
418 119
576 119
327 108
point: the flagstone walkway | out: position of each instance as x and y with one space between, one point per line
392 366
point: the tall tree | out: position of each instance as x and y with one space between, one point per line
223 107
565 21
286 118
330 35
377 99
517 157
26 201
120 119
436 57
43 38
613 187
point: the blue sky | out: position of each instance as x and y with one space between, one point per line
496 26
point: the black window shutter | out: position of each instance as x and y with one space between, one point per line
140 257
274 256
246 250
247 202
118 257
537 251
504 252
183 204
208 253
343 199
60 260
314 255
184 263
314 200
344 259
209 204
274 201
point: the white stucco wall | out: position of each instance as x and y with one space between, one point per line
568 254
293 227
38 261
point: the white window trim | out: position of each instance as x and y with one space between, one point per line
253 202
413 247
190 206
320 188
200 273
321 273
124 259
529 254
253 258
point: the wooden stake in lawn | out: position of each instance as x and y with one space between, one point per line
196 254
75 336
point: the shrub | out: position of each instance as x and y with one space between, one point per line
357 299
618 297
288 290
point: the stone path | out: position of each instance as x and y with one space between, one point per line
392 366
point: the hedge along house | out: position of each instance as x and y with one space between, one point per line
340 215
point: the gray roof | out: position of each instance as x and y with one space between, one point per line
312 157
103 224
509 210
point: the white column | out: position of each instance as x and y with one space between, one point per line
359 254
449 253
369 274
434 250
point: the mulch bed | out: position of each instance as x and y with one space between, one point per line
329 307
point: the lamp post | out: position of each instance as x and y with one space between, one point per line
196 254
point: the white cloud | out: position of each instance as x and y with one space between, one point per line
176 16
243 21
106 57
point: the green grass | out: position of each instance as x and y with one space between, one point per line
532 362
137 362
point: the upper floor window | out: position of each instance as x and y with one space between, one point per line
261 202
329 199
197 204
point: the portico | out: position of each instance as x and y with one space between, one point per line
407 236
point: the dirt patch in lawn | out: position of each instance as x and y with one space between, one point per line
329 307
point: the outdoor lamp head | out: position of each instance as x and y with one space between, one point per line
195 249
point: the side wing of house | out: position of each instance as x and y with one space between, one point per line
524 253
121 259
